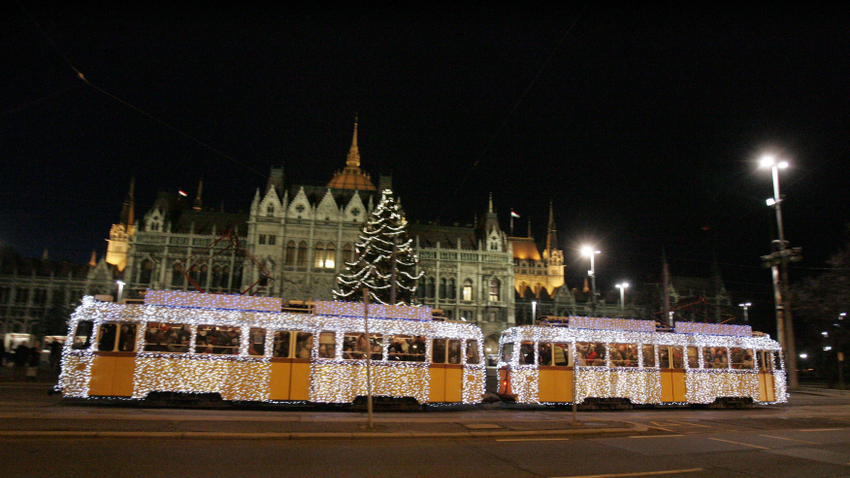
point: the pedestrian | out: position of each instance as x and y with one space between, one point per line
22 352
55 354
2 353
33 361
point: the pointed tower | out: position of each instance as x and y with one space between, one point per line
121 233
198 205
494 238
352 177
552 254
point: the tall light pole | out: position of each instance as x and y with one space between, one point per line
622 288
121 284
589 251
533 312
746 306
778 261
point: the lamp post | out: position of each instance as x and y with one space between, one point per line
589 251
622 288
120 289
778 261
746 306
533 312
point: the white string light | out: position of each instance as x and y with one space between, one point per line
641 385
247 377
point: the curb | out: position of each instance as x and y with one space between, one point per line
308 435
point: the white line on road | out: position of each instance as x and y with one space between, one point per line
739 443
641 473
822 430
655 436
532 439
791 439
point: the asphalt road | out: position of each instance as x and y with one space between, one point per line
42 436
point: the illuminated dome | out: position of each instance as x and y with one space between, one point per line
352 177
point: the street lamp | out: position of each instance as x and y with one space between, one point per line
622 288
120 289
533 312
784 323
589 251
746 306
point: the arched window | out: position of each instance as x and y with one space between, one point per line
202 278
270 210
290 253
330 256
430 287
225 277
302 254
494 290
442 288
236 284
347 253
452 289
146 272
319 256
216 277
177 276
467 290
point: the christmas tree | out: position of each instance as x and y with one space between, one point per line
385 258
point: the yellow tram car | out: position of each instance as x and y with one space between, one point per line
253 349
620 362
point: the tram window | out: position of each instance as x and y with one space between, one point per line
127 338
257 346
406 348
454 351
281 344
544 354
678 353
777 361
303 345
715 357
507 350
219 340
327 345
664 357
82 336
472 357
623 355
438 351
106 337
164 337
693 357
741 359
355 346
591 354
526 353
648 352
560 355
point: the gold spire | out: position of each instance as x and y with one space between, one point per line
353 160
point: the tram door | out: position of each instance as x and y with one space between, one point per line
672 364
556 373
767 392
290 376
446 371
114 361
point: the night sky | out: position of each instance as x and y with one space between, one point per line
643 125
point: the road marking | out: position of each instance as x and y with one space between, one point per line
791 439
822 430
659 427
691 424
481 426
739 443
532 439
655 436
642 473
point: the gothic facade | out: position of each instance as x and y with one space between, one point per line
298 239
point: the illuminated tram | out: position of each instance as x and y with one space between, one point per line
621 362
253 349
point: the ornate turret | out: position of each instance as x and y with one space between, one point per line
352 177
120 234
